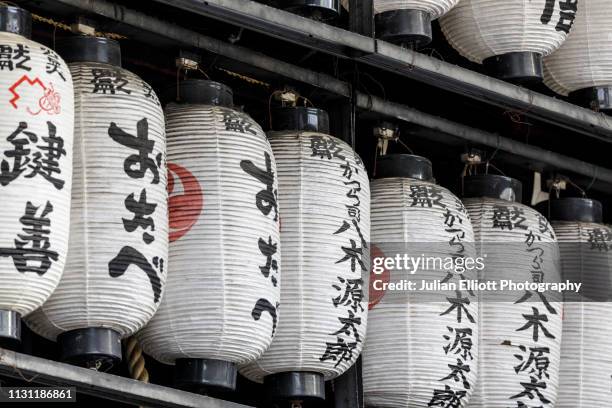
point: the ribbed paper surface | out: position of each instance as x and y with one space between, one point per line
404 360
105 219
216 279
37 109
585 59
314 190
586 364
435 8
503 366
479 29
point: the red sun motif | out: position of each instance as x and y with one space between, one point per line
184 207
376 295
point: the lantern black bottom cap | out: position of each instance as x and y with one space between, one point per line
10 329
318 9
517 67
597 98
295 386
92 347
200 374
405 27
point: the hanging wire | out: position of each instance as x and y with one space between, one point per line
270 106
398 140
66 27
178 75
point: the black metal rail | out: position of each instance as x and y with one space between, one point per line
602 177
411 64
112 387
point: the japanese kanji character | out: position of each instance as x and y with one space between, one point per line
349 326
136 165
352 295
339 351
461 343
236 122
20 154
426 195
128 256
264 305
141 210
447 398
535 320
458 373
266 199
532 388
32 252
108 80
537 361
505 217
325 146
45 162
268 249
460 303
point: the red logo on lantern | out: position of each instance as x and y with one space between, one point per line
50 101
377 295
185 205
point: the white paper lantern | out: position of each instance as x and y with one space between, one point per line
324 197
421 349
586 257
520 332
583 65
36 129
116 266
409 21
509 37
221 302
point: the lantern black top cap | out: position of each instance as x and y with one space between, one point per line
404 165
300 118
84 48
15 20
493 186
576 209
205 92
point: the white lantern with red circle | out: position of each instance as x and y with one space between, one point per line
222 296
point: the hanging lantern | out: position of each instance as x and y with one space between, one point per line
116 267
509 37
35 170
221 301
422 347
315 9
581 67
520 328
324 197
409 21
586 257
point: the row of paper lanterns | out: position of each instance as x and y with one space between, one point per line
566 42
268 242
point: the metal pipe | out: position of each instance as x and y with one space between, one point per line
408 63
481 137
194 39
331 84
